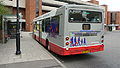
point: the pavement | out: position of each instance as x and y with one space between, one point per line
33 55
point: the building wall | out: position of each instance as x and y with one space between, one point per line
94 2
117 17
108 17
40 7
114 17
28 9
30 13
21 10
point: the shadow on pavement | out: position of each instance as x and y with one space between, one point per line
71 58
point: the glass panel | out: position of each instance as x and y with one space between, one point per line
52 26
43 25
37 26
40 26
47 24
80 16
55 25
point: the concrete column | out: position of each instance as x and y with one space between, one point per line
40 7
30 13
108 17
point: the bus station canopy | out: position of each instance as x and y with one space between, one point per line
13 19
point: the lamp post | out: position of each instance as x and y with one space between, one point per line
18 52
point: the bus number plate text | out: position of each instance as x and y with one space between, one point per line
85 51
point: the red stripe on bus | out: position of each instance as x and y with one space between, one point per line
56 49
81 50
75 50
41 40
37 38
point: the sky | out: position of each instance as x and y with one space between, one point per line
113 5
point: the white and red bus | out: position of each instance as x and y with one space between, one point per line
71 29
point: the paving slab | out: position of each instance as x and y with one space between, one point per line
33 54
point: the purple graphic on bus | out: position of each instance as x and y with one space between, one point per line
53 28
77 41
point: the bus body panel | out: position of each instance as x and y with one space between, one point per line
57 42
77 27
59 38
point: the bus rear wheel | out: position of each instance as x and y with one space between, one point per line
47 45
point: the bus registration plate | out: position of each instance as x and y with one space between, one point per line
86 51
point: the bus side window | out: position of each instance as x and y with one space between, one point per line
35 25
40 26
47 25
43 26
54 24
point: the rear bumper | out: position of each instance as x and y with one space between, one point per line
75 50
82 50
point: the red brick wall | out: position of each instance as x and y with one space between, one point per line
40 7
30 13
94 2
117 18
108 17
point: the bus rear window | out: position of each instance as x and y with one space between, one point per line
83 16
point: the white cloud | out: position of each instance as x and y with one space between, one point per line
113 5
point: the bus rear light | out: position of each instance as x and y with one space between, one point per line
67 38
71 42
102 41
67 43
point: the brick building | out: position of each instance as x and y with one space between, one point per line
32 8
113 20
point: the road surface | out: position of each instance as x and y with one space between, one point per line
110 58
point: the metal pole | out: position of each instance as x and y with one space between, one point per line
18 52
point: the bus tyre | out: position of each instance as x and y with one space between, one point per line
47 44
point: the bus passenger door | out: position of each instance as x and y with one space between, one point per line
40 31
